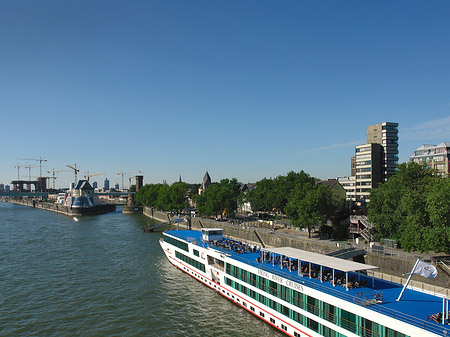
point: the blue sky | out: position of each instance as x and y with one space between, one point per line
245 89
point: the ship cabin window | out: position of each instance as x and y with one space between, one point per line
327 332
369 328
272 320
348 321
245 304
296 334
196 253
313 325
313 305
392 333
252 309
261 314
176 243
284 327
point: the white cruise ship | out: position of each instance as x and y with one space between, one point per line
303 293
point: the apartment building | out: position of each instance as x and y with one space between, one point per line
374 162
385 134
369 170
435 156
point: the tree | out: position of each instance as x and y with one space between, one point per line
274 194
412 208
309 206
219 198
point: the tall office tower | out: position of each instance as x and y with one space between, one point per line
385 134
106 184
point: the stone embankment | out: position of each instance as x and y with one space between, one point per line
391 263
67 210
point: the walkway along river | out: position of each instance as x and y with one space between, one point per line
99 276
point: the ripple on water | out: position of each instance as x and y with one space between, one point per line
102 276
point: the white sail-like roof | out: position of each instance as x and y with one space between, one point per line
321 260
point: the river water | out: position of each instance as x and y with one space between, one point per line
102 276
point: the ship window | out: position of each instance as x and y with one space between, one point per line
196 253
329 312
348 321
297 299
296 334
313 305
192 262
261 314
327 332
297 317
284 327
252 309
176 243
272 320
392 333
313 325
369 328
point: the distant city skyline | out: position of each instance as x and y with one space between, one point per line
245 90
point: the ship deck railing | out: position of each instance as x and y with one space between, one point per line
363 298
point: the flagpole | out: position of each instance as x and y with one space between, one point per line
407 281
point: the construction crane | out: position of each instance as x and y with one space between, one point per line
18 166
75 170
40 160
87 176
124 173
29 167
130 178
54 176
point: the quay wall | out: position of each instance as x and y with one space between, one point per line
390 268
67 210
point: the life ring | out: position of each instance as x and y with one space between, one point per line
377 297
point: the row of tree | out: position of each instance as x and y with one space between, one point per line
307 204
413 208
296 194
217 200
170 198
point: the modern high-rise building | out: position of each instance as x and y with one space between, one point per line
434 156
94 185
374 162
385 134
106 184
368 169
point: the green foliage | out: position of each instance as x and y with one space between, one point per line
219 198
412 208
274 194
310 205
173 198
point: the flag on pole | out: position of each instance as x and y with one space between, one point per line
425 270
